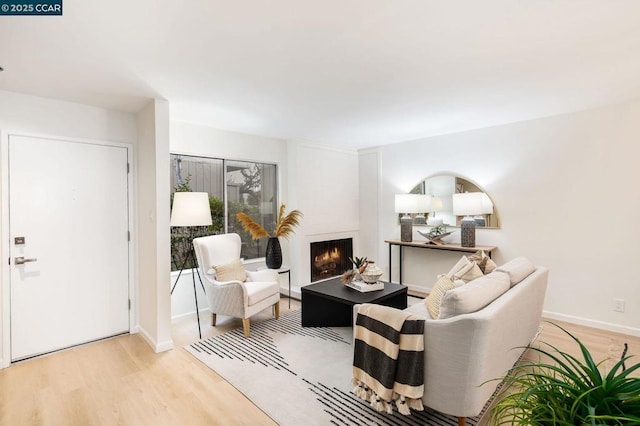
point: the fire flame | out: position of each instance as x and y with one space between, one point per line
333 254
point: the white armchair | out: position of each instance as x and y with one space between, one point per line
235 298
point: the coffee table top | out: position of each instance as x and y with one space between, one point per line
335 290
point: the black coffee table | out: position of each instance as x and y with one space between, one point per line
330 303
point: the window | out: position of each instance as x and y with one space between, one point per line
251 188
233 186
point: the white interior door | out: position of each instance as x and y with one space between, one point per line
69 201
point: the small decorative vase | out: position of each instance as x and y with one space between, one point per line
273 257
371 274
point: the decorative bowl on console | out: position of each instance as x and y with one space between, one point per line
435 234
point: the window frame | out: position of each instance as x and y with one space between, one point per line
225 198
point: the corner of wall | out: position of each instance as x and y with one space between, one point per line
157 347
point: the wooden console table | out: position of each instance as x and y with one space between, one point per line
426 245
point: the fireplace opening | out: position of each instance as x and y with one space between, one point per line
330 258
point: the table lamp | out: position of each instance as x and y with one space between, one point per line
467 204
487 208
423 206
408 204
436 206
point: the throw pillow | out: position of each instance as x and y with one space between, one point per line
438 290
484 262
468 273
462 263
490 266
458 283
518 269
480 258
232 271
473 296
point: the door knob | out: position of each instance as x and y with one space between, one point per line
21 260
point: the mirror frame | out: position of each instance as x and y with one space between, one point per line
492 220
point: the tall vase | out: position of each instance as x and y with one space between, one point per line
273 258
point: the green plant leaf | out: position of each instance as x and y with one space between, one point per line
567 390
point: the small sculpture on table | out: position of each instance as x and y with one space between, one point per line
364 276
435 234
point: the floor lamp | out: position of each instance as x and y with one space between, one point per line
191 209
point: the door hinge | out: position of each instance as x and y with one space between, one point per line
128 235
129 304
9 261
128 168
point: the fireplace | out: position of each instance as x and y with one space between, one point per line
330 258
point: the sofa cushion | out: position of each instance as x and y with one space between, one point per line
232 271
432 301
474 296
518 269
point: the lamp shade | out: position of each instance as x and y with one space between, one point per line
411 203
487 204
436 204
467 204
191 209
424 204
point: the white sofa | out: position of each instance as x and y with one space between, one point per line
464 353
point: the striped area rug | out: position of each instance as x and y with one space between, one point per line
300 376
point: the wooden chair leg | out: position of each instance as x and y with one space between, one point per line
462 421
245 327
213 319
276 309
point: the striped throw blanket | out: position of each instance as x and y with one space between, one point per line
388 359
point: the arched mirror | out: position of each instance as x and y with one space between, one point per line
441 189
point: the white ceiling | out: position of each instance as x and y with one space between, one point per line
349 73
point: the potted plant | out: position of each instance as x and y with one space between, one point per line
360 264
568 390
284 228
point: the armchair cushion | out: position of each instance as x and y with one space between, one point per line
232 271
258 291
262 275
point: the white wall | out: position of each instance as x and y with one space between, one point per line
30 115
323 185
153 254
566 191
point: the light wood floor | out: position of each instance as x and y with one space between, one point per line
121 381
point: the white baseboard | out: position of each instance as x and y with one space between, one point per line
418 289
295 293
192 314
616 328
156 346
